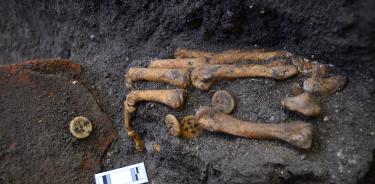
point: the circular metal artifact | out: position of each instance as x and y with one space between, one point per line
190 127
223 101
80 127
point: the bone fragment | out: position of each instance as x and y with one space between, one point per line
324 86
190 128
303 103
178 63
296 89
203 77
297 133
311 68
176 77
171 98
173 125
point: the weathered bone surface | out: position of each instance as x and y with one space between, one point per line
223 101
303 103
128 111
235 56
173 125
171 98
232 56
178 63
188 53
203 77
297 133
296 89
176 77
325 86
310 68
190 128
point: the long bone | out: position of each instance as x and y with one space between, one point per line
178 63
171 98
297 133
233 56
176 77
203 77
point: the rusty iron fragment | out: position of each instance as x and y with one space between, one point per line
203 77
303 103
297 133
176 77
47 66
223 101
325 86
188 63
170 98
38 101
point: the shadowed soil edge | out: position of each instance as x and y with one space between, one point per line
108 37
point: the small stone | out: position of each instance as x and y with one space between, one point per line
326 118
157 147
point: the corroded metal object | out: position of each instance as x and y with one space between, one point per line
223 101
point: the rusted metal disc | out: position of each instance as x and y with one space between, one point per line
190 127
223 101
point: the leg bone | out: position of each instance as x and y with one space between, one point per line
176 77
203 77
178 63
296 133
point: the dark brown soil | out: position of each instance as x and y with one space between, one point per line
35 110
108 37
